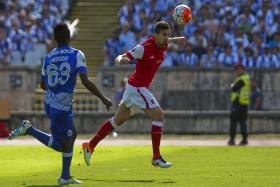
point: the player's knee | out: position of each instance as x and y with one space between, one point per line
119 120
115 122
159 116
66 145
74 136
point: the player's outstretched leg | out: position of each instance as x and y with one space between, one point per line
103 131
26 128
21 130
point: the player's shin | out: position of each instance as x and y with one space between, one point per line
45 138
66 163
67 158
102 132
156 132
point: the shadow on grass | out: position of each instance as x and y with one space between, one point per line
43 186
136 181
112 181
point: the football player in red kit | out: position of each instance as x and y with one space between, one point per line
149 56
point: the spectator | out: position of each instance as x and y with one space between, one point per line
41 32
228 58
238 48
248 59
188 58
28 40
257 46
198 42
209 60
140 21
267 60
127 37
112 48
170 56
5 46
16 35
256 95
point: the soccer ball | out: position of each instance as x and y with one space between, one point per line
182 14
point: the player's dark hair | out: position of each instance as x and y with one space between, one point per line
61 33
161 25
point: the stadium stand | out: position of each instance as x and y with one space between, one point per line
226 32
226 28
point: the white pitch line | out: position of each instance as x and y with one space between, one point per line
253 142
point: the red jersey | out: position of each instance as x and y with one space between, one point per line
148 59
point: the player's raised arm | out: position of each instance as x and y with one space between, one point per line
136 53
181 40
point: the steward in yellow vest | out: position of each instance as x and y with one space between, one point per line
240 98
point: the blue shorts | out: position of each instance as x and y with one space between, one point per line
61 123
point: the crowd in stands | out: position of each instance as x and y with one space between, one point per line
26 28
220 34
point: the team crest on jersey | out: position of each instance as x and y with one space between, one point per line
158 61
70 133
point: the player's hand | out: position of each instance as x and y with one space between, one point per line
182 40
107 102
122 59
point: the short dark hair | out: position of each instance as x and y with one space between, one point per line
161 25
238 65
61 33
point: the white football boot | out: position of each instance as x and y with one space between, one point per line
87 153
71 180
21 130
161 163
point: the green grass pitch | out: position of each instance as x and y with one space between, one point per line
125 166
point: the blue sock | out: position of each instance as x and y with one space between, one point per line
66 163
45 138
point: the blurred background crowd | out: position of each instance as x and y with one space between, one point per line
220 34
26 28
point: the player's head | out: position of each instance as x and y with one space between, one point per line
61 34
162 32
239 69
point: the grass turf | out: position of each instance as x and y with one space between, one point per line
38 166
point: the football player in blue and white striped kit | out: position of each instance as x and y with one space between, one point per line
58 78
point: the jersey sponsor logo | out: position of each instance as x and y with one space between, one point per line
66 51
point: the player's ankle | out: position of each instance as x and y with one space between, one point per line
156 156
90 149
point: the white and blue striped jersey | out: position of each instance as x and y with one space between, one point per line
59 71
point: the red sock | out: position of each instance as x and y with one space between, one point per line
102 132
156 136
